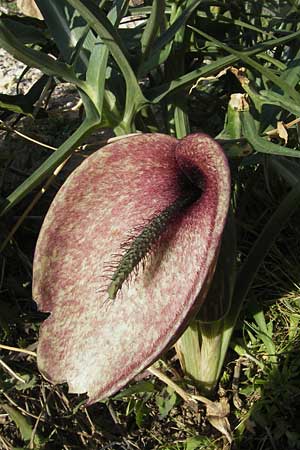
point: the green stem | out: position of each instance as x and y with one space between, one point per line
211 337
188 350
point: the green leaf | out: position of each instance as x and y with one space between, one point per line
181 121
242 24
16 103
262 331
244 56
30 382
255 258
38 59
154 57
274 98
159 93
152 26
166 400
52 162
141 412
97 68
23 424
70 32
28 29
262 145
291 74
198 442
137 388
103 27
24 104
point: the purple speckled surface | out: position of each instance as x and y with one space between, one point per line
95 346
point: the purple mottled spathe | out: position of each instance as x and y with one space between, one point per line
98 346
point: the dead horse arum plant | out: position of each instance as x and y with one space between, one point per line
163 202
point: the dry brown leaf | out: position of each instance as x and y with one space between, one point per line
282 132
217 414
238 102
239 73
210 78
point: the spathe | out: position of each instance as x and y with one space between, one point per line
98 346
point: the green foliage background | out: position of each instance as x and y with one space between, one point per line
230 69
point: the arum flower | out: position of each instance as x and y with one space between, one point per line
112 315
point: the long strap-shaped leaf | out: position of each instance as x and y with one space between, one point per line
242 55
166 38
34 58
158 94
102 26
97 68
93 105
71 31
68 28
